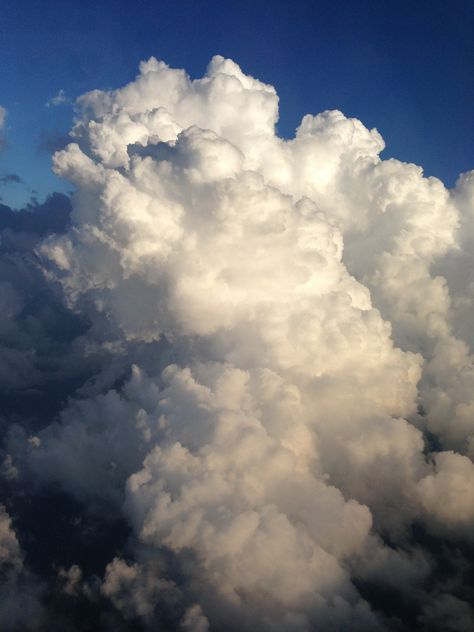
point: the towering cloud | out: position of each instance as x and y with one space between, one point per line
275 351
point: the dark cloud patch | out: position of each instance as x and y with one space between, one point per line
43 363
53 141
39 219
36 330
10 178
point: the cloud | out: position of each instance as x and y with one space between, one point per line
10 178
448 613
20 592
53 141
59 99
447 494
194 620
34 327
3 116
37 219
267 374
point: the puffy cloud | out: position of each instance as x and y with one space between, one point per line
272 384
135 589
194 620
231 500
71 580
447 494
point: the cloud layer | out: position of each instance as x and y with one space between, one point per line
265 367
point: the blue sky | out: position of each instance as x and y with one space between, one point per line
404 67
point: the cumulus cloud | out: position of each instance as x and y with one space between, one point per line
447 494
270 366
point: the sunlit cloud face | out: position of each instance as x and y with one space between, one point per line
272 341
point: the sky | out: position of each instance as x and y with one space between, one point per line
402 67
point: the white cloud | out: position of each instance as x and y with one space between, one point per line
284 308
205 227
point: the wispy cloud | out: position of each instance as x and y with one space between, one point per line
59 99
10 178
3 116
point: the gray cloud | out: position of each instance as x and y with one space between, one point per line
3 116
10 178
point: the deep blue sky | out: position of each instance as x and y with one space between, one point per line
405 67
